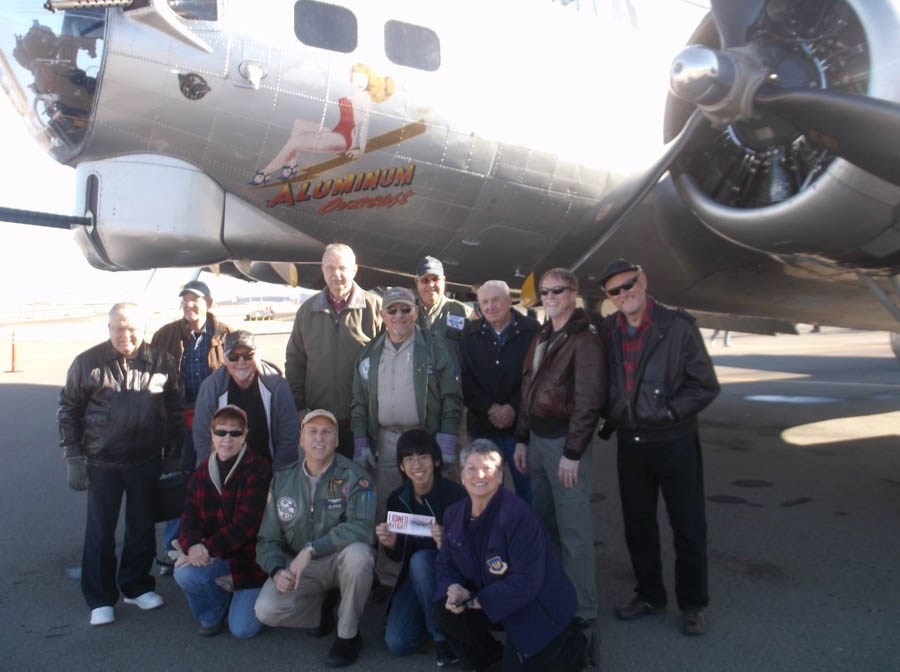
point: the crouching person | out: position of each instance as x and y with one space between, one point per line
424 492
317 534
496 568
224 506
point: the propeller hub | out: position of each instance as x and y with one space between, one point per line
700 76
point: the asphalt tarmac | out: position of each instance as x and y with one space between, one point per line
803 492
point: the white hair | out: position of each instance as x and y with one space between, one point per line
127 308
340 249
495 284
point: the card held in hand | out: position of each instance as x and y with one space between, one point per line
409 523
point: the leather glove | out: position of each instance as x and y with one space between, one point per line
77 474
362 454
447 443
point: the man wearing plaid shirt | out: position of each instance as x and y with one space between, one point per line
660 377
195 341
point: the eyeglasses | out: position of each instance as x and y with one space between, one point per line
410 460
233 357
234 433
624 287
406 310
556 291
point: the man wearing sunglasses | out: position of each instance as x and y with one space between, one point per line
563 391
405 379
330 330
660 378
256 387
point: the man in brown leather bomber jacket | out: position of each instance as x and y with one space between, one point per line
563 392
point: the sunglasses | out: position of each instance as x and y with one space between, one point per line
624 287
235 357
556 291
406 310
234 433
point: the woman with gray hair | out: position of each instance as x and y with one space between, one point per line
496 567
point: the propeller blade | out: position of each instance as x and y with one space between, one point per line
864 131
620 203
733 18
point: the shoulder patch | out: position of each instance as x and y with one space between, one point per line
364 369
287 508
496 566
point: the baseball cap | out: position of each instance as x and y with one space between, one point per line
616 267
397 295
318 413
197 287
236 339
429 266
233 409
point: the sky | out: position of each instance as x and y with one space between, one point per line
45 265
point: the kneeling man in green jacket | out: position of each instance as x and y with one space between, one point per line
317 534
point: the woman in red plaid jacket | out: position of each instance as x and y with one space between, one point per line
224 506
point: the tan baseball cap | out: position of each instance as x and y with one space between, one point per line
318 413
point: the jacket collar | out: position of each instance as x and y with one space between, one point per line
578 322
142 354
356 300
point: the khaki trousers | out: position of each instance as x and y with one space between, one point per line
566 514
387 479
349 569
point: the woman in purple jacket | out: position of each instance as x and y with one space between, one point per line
495 567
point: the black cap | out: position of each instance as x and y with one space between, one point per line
616 267
429 266
237 339
197 287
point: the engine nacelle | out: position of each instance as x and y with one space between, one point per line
151 211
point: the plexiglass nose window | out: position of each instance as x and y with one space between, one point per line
49 69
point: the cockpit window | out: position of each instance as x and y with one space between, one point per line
196 10
319 24
49 66
412 45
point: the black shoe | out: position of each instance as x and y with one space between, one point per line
214 629
327 621
344 651
637 608
381 593
444 654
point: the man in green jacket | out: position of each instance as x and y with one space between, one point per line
317 534
443 317
330 330
405 379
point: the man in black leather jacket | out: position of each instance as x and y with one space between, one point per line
120 415
660 377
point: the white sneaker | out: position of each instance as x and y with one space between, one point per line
102 615
149 600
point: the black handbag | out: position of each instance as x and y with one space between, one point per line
168 499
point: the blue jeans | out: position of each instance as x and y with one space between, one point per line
521 482
209 602
409 618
